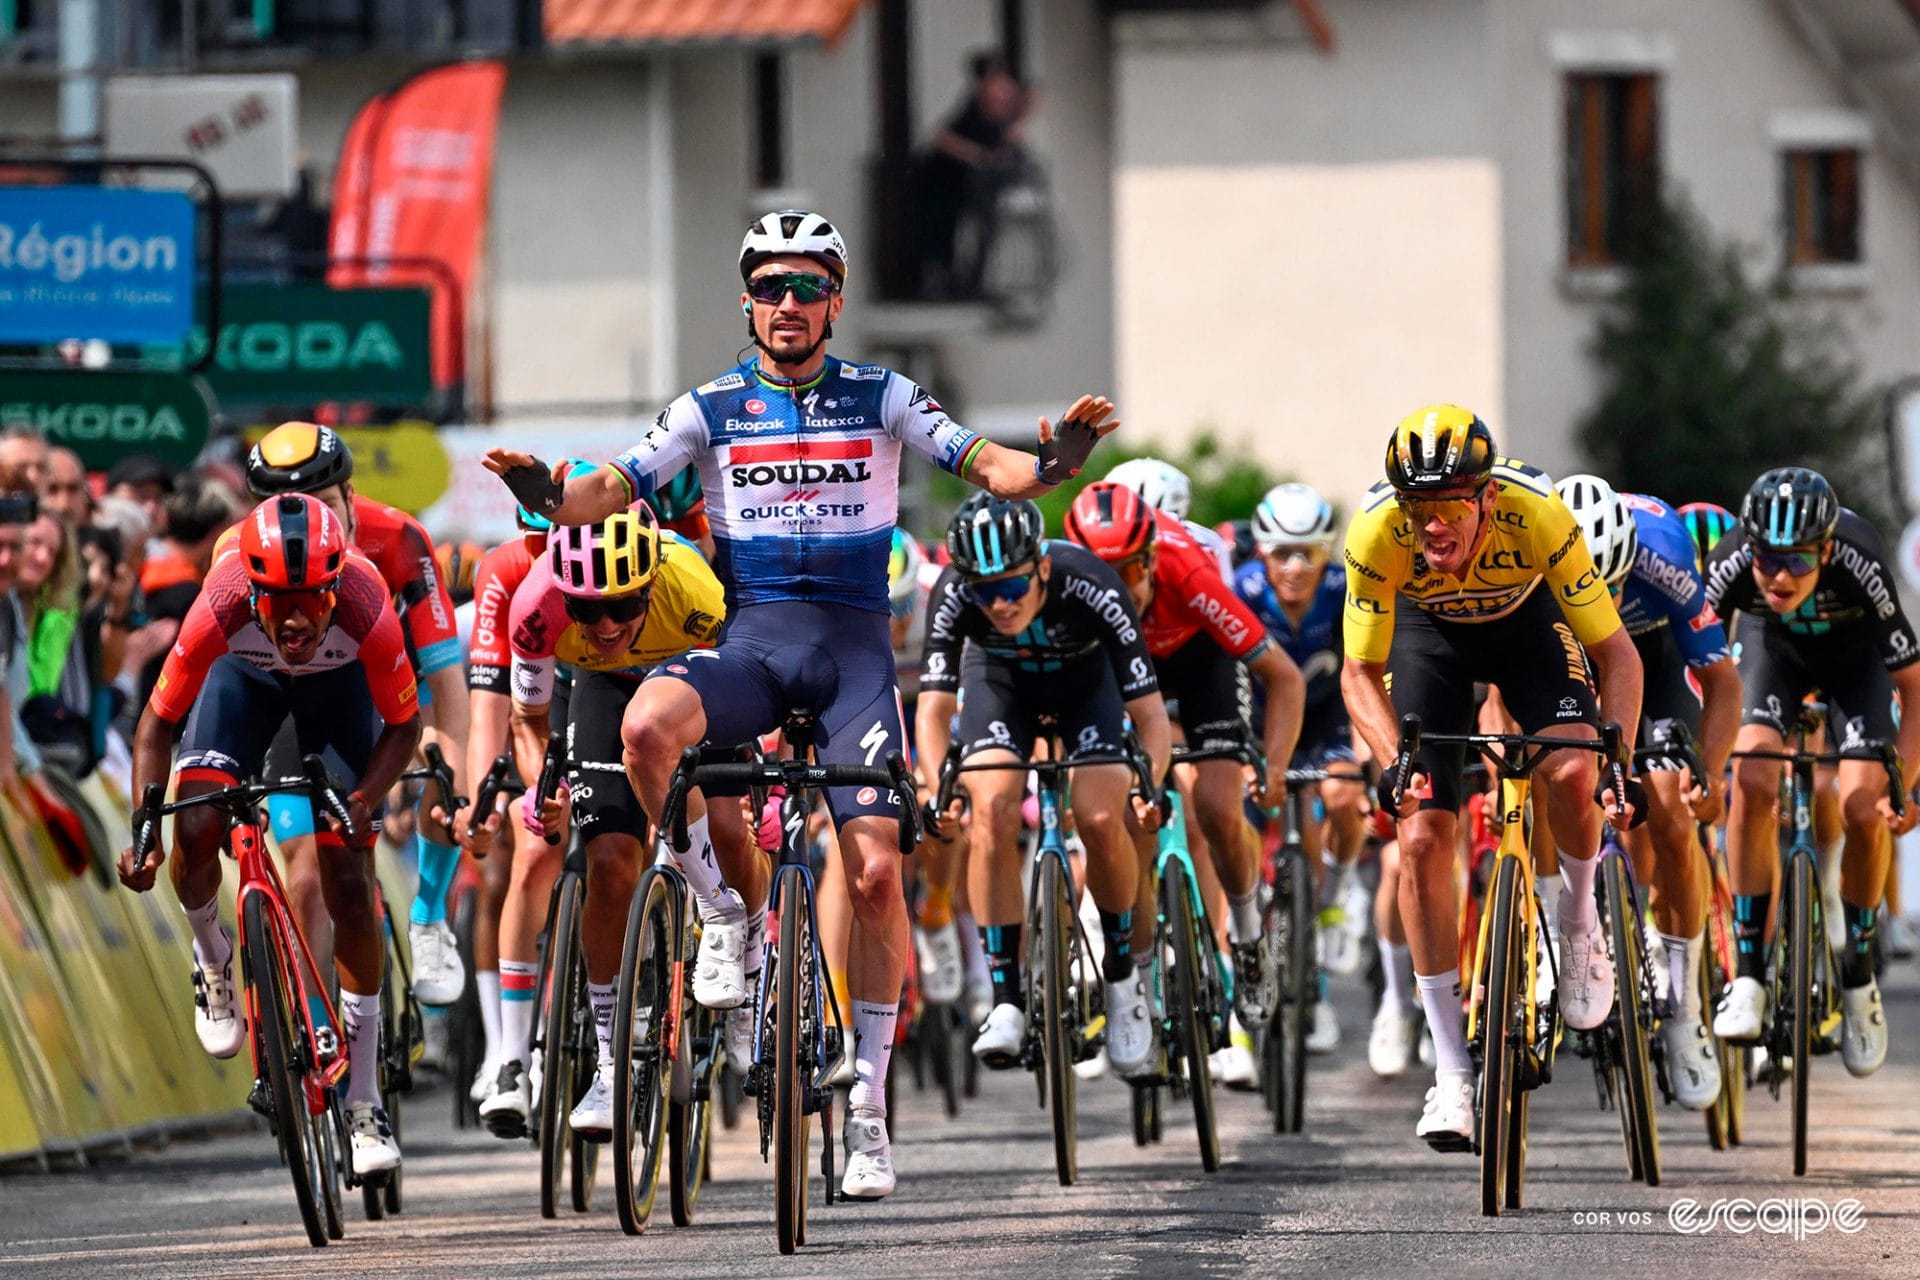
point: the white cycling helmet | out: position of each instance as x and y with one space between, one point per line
1161 485
1291 514
793 231
1608 525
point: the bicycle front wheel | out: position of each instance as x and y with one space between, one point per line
564 999
1800 943
690 1119
1061 1028
640 1023
1192 1008
1633 1008
793 1061
269 975
1290 933
1502 1026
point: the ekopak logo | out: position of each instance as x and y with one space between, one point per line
1795 1217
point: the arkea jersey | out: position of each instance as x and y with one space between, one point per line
685 612
1664 588
1532 539
802 481
1314 645
501 571
1086 616
363 632
1852 601
1190 596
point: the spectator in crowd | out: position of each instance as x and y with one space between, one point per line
65 492
19 508
199 510
47 589
23 456
971 160
147 480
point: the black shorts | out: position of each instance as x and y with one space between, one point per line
1777 674
1003 707
603 799
1668 697
1207 692
1531 655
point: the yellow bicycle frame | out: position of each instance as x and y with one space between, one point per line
1513 844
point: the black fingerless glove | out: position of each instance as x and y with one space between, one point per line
1636 795
534 487
1062 457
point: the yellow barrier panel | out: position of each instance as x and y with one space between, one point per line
19 1134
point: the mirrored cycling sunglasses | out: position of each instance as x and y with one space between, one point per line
1798 561
589 610
1134 567
1420 510
276 607
1310 554
998 590
806 286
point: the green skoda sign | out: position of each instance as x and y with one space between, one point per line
105 415
300 344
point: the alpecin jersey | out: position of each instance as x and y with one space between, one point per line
802 480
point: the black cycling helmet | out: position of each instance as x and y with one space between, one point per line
1790 507
1439 446
298 457
990 535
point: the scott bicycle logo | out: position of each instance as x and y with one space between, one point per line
1797 1217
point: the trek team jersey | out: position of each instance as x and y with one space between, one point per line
1087 613
1664 589
802 480
363 632
685 612
1532 538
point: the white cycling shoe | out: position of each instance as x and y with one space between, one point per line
1446 1122
1337 944
943 966
1743 1013
1002 1037
482 1081
869 1173
1129 1027
374 1147
1863 1029
739 1035
1586 978
1323 1036
1233 1066
720 974
217 1016
1693 1061
438 975
509 1101
1390 1047
592 1116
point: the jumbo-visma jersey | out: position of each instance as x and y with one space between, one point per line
802 480
1533 539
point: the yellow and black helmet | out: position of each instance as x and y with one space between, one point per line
298 457
1439 446
616 557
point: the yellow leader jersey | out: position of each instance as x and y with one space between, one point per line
686 611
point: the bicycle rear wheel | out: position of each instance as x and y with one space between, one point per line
1640 1100
793 1061
465 1035
1192 1008
268 974
1061 1028
690 1119
562 996
1146 1114
641 1015
1502 1024
1290 930
1800 943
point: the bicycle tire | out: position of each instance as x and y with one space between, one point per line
465 1033
332 1127
557 991
641 1081
1192 1010
1145 1108
267 973
1800 940
792 1064
1501 1012
1722 1126
945 1042
1287 1031
380 1194
1631 1007
690 1121
583 1155
1060 1030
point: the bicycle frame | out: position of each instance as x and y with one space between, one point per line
1514 791
1173 847
829 1035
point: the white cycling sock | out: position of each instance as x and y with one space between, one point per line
361 1014
600 996
1243 916
1396 966
517 983
702 871
486 983
1440 997
1683 969
756 946
1577 911
873 1026
210 943
1547 889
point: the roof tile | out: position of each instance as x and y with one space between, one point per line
626 22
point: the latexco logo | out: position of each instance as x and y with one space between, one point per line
1797 1217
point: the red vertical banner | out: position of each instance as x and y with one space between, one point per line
415 172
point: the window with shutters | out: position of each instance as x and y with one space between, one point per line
1821 200
1612 163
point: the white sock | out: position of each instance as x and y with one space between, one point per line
1440 997
1396 965
872 1050
600 996
1577 911
1683 969
1547 889
517 983
361 1014
209 940
487 983
1243 916
702 871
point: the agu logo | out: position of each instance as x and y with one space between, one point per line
755 407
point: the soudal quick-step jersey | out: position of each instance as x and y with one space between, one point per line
802 480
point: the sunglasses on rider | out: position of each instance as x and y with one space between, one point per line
1420 510
589 610
1797 561
277 607
1134 567
998 590
806 287
1310 554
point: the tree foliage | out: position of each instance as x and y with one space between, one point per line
1709 378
